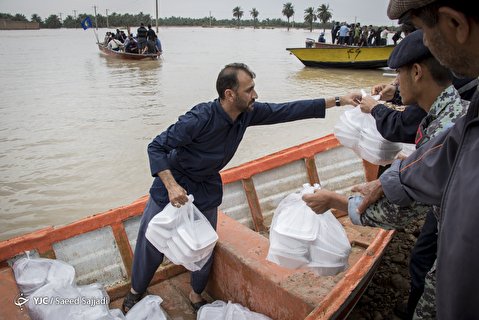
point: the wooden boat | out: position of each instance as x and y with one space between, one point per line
339 56
127 56
100 247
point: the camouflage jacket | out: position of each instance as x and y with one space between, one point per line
447 108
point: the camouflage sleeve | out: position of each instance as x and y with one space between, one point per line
384 214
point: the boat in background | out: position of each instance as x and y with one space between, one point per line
325 55
100 247
127 56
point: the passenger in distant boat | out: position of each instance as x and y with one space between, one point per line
131 45
141 35
107 38
397 36
363 41
115 44
151 42
321 37
343 33
334 32
371 36
188 156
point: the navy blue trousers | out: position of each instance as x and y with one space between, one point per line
423 256
147 258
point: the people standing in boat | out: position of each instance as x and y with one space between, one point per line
343 33
141 35
335 32
397 36
363 41
188 156
432 89
151 40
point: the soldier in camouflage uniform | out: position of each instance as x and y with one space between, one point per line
442 114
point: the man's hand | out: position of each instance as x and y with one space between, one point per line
322 200
386 91
367 104
176 193
371 191
352 98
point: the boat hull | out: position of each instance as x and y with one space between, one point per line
125 55
333 56
101 247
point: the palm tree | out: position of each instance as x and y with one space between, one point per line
324 15
36 18
254 13
288 11
310 17
237 13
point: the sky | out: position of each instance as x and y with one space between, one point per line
365 11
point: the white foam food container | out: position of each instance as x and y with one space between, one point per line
304 228
327 271
158 236
203 235
327 258
166 218
287 242
286 259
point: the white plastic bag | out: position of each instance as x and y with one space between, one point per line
330 251
357 130
183 235
32 274
293 228
219 310
147 308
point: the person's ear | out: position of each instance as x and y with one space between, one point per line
417 71
230 94
455 21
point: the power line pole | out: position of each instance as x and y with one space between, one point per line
96 21
75 17
156 16
61 20
107 24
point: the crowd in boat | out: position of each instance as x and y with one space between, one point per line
357 35
146 41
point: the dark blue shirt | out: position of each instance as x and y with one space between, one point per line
205 139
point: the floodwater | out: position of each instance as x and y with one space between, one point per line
74 125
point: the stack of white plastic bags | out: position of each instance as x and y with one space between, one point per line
220 310
299 237
357 130
183 235
49 285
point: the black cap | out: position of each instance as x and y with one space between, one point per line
410 50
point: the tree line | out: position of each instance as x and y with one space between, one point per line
313 19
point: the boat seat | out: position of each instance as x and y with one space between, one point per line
8 293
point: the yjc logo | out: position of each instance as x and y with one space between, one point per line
20 300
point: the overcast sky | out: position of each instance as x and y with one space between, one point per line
366 11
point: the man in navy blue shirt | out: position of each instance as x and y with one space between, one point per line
188 156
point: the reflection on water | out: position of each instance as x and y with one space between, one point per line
74 124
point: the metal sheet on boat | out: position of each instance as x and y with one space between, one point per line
339 169
235 204
273 185
131 228
94 255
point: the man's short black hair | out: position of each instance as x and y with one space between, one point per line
228 77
